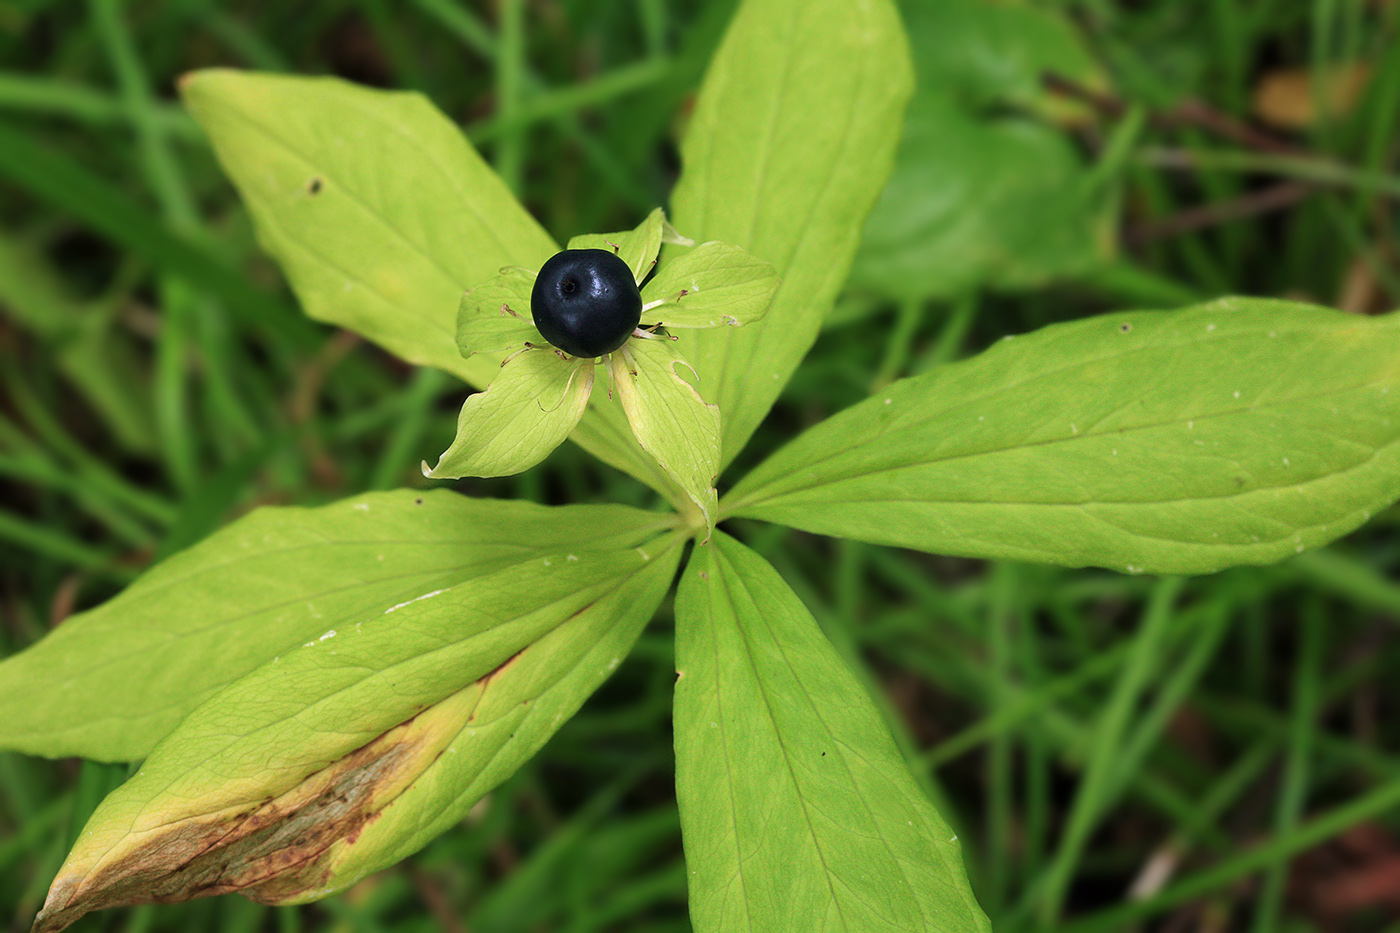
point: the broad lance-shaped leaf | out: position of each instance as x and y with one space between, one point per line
111 682
380 214
377 208
792 139
277 779
1236 432
672 421
797 809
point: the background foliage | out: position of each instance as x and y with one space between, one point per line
1221 747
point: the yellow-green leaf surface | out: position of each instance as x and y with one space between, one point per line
375 205
494 317
637 247
797 809
380 214
111 682
712 285
1236 432
513 713
256 786
528 411
670 419
792 139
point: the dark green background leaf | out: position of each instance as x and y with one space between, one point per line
986 191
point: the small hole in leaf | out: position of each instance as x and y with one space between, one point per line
313 187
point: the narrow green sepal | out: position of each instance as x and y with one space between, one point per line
710 285
637 247
494 316
669 418
527 411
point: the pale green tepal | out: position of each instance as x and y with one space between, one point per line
541 393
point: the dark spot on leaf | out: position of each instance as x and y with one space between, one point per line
417 501
1125 328
313 187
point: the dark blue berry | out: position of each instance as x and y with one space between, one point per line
586 302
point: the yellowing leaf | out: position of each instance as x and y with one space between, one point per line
1299 98
378 209
380 213
113 681
267 787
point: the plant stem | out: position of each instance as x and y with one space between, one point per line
1303 168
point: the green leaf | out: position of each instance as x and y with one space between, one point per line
797 809
710 285
380 214
1236 432
670 419
494 317
529 410
983 191
111 682
637 248
265 787
514 712
375 205
792 139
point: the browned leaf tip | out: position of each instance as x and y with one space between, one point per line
276 852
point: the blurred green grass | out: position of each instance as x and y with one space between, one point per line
1225 746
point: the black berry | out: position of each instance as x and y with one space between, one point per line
586 302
